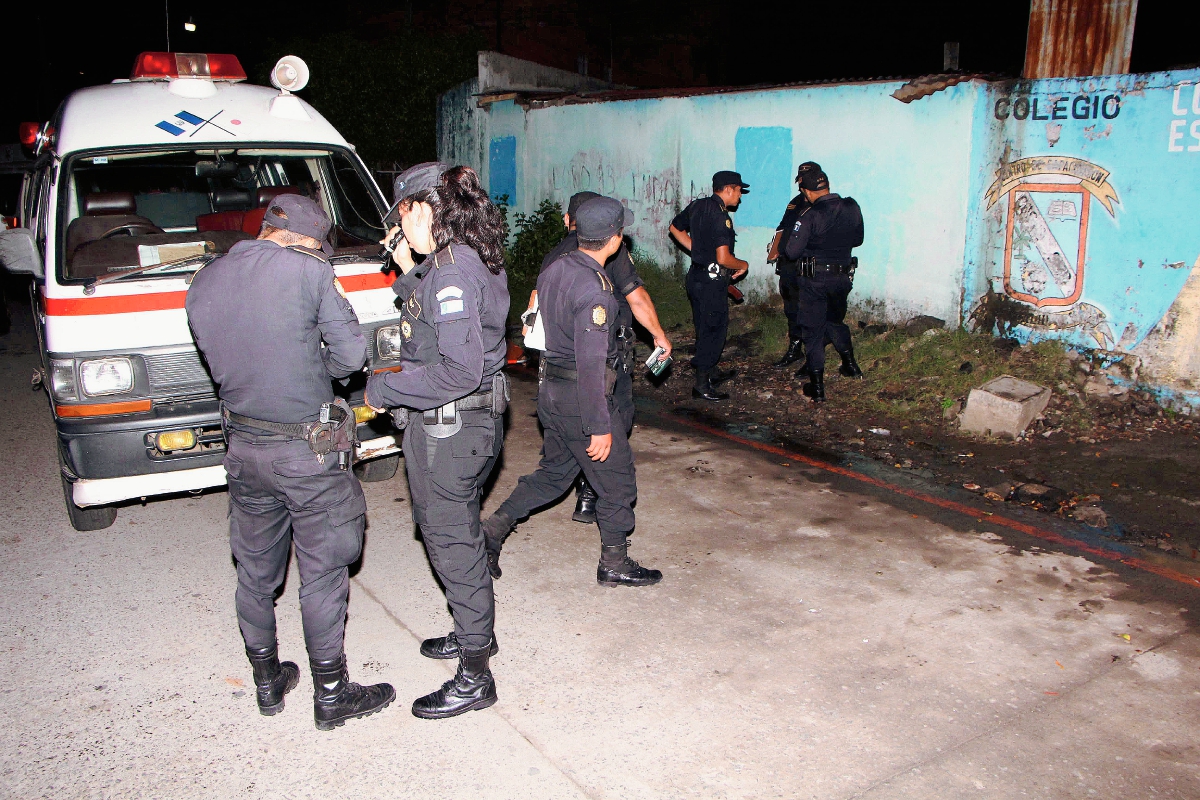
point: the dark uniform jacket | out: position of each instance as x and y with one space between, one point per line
259 315
827 230
452 320
578 313
619 269
709 225
794 209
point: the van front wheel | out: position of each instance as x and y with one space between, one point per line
93 518
377 469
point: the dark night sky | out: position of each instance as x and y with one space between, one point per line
729 43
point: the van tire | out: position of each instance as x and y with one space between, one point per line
93 518
378 469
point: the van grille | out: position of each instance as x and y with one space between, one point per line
178 376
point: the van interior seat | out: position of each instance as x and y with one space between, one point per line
99 204
252 223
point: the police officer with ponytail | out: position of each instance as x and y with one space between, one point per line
450 396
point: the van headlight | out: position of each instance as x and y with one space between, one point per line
103 376
388 342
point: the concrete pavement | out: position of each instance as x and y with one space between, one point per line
810 639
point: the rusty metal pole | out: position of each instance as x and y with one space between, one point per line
1072 38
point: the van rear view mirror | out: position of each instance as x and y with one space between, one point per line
19 254
216 169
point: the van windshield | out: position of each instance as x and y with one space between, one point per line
128 210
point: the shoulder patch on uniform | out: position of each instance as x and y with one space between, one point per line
450 301
340 289
599 315
791 206
728 222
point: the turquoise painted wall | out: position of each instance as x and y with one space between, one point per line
1054 208
1084 219
907 165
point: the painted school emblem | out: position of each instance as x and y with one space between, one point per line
1048 204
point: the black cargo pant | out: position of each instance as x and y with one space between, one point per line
789 290
623 396
280 494
445 478
564 454
822 311
710 315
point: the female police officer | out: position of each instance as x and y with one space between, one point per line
451 395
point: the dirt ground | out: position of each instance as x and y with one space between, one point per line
1120 463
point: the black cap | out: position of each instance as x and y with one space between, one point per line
415 179
300 214
578 199
601 218
728 178
810 176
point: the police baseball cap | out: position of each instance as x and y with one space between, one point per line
415 179
601 218
810 176
578 199
728 178
300 214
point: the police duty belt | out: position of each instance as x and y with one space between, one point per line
332 433
548 371
445 421
811 267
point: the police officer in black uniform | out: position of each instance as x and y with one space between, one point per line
260 315
704 228
580 416
789 272
451 395
633 303
821 240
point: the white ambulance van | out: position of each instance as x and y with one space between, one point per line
136 185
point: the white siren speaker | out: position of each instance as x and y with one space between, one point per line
290 74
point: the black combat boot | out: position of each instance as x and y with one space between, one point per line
815 388
585 501
719 376
471 688
616 568
849 366
496 529
795 352
703 388
336 699
447 647
272 680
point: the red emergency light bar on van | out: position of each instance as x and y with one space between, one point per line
166 66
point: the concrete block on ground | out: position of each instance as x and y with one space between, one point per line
1003 406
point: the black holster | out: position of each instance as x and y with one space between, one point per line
337 432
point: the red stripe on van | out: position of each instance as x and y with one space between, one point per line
372 280
165 301
123 304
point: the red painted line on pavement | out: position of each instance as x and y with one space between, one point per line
951 505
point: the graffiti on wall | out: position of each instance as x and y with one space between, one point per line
1047 206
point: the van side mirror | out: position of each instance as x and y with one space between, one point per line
19 254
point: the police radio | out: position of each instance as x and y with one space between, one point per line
390 248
